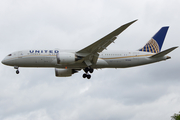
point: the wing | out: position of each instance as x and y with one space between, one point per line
90 53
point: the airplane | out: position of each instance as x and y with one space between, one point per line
93 56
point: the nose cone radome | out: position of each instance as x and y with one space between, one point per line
3 62
6 62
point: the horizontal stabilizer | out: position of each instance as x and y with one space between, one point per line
163 53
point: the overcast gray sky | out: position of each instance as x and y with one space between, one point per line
148 92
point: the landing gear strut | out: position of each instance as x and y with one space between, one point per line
86 74
17 71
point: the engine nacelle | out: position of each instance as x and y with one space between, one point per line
65 58
64 72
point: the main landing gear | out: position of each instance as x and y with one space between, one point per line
86 74
17 71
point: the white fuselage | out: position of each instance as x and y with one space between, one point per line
108 59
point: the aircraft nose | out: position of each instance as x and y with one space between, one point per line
7 61
3 61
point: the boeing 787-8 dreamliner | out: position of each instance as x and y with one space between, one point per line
93 56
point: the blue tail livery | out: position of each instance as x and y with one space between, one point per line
155 44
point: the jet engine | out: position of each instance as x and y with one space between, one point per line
64 72
67 58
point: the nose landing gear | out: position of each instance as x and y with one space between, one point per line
86 74
17 71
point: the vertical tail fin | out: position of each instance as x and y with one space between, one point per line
155 44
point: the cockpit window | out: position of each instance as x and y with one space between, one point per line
10 55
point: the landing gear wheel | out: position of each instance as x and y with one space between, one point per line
17 71
91 70
84 75
86 70
88 76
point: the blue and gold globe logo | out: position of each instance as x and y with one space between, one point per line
152 46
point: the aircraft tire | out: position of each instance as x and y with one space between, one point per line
88 76
84 75
17 71
91 70
86 70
